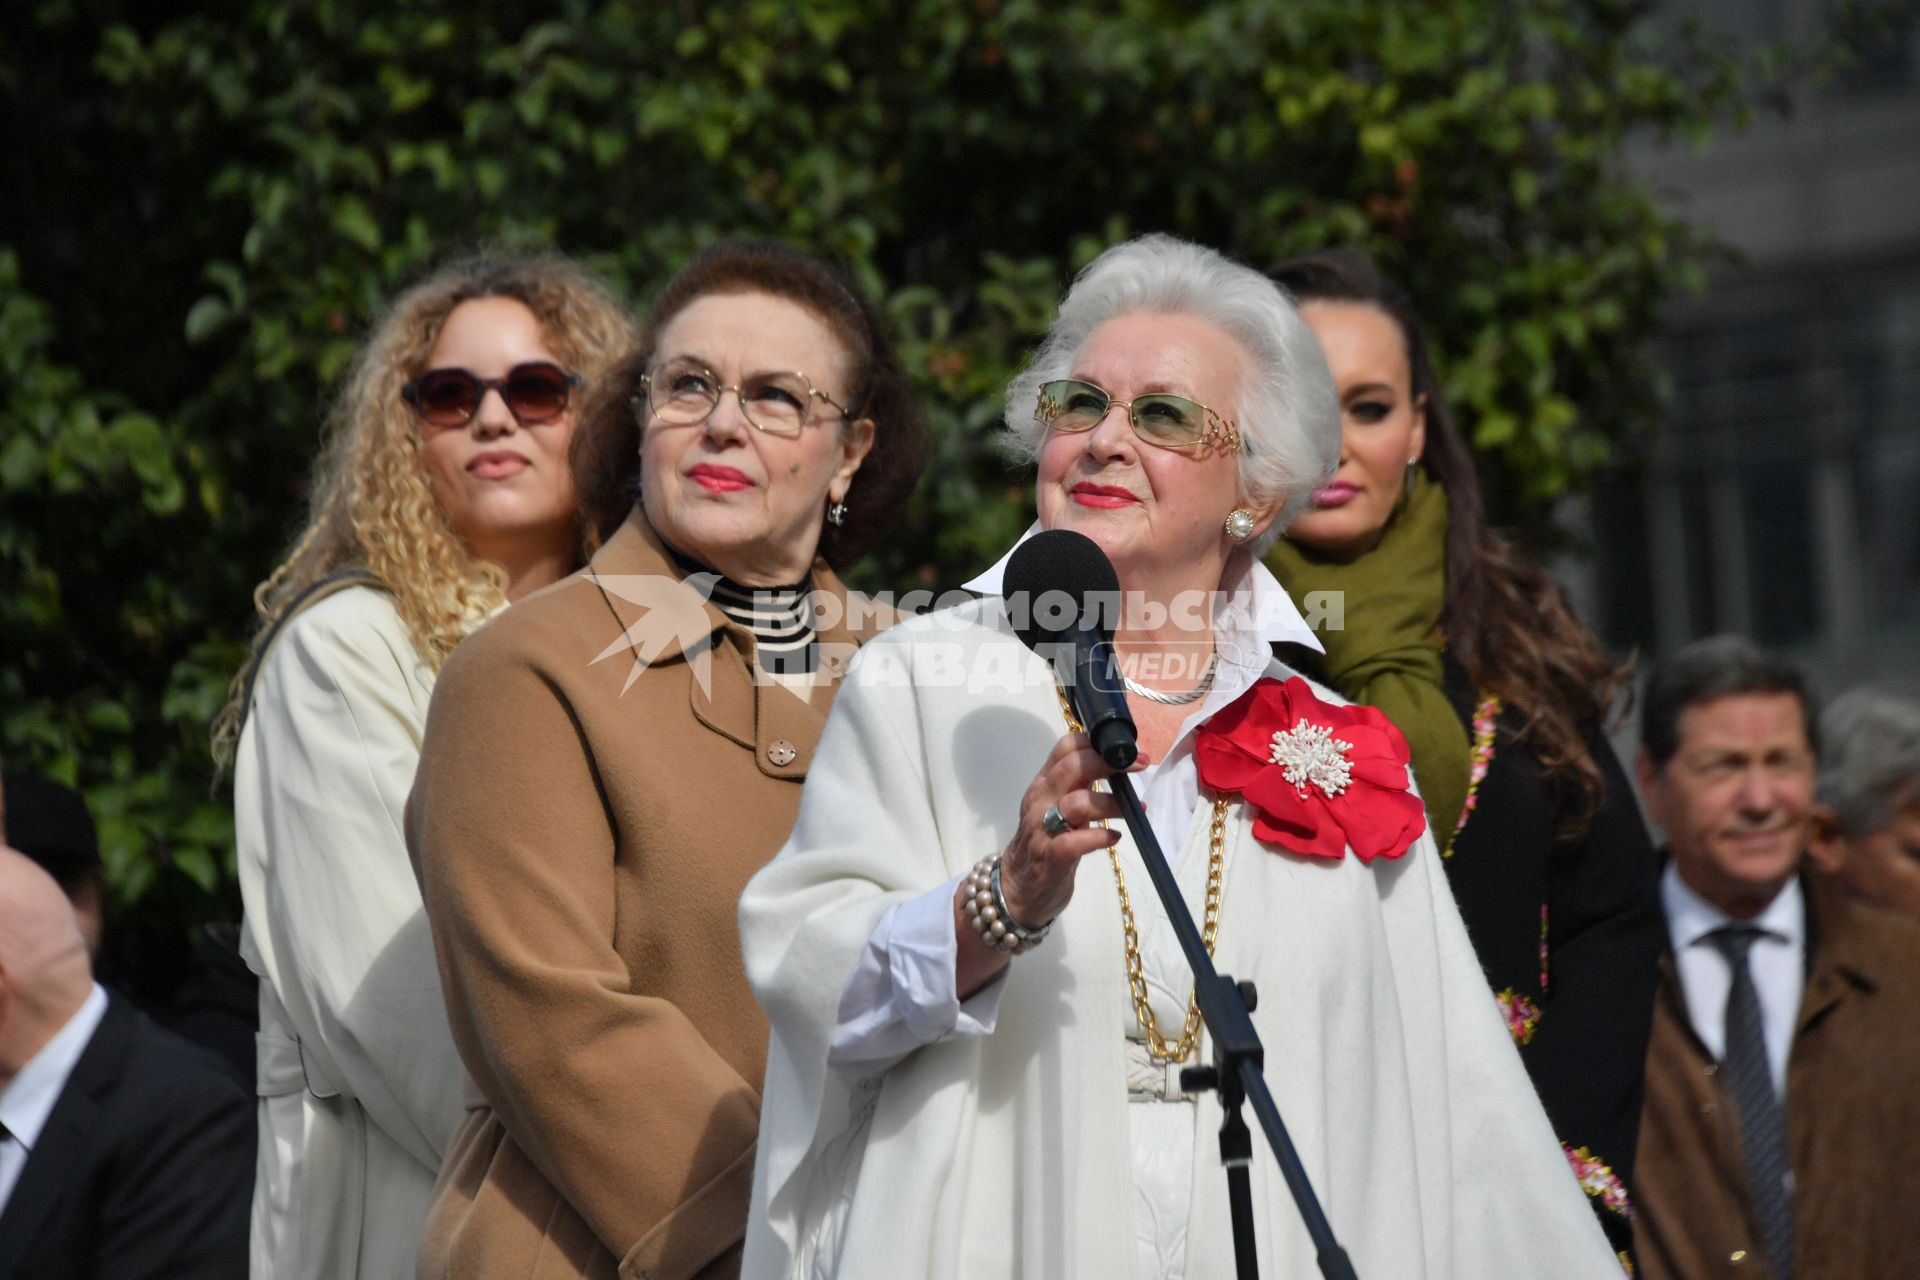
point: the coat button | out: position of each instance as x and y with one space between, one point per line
781 753
1737 1257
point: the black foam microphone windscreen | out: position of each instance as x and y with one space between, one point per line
1067 566
1062 595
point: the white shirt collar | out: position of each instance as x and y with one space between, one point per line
28 1098
1256 607
1690 917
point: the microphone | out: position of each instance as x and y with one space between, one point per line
1057 586
1062 595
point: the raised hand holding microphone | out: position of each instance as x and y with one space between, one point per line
1038 865
1056 585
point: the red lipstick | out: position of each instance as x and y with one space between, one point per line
1103 496
717 479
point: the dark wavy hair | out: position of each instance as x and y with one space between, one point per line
605 454
1506 622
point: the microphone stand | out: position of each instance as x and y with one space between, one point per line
1238 1057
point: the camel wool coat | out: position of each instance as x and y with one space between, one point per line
601 775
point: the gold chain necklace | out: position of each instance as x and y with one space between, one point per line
1157 1046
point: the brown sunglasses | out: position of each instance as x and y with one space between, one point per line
534 393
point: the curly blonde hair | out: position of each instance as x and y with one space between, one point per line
372 507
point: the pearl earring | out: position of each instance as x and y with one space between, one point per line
1239 524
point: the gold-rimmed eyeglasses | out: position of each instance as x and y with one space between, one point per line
684 394
1161 419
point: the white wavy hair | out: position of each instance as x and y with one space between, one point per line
1289 412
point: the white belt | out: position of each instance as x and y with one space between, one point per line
282 1066
1149 1080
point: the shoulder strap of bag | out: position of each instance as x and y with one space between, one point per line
314 593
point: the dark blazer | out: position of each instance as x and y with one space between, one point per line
1569 933
1853 1116
145 1168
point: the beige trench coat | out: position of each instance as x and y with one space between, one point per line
359 1083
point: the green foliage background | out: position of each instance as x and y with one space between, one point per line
205 204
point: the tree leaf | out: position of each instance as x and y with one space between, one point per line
205 317
352 219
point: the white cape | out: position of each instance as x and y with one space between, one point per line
1008 1155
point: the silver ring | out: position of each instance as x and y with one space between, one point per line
1054 823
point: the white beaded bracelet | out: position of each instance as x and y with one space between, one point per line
988 914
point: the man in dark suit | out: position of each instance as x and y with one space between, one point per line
124 1151
215 1004
1783 1101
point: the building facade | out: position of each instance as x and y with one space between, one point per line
1781 496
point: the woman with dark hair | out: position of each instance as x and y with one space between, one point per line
607 764
1503 696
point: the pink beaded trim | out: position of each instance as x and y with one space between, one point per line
1543 948
1599 1180
1522 1014
1484 718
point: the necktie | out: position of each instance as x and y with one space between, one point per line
1763 1120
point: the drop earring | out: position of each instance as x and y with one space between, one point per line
1239 524
1413 473
836 514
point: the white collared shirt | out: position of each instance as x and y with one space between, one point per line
1254 613
28 1098
901 994
1777 961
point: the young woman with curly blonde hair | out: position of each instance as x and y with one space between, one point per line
443 494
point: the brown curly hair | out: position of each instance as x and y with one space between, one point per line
371 506
1507 623
605 453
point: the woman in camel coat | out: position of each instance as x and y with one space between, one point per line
607 765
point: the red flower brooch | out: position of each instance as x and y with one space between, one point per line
1319 777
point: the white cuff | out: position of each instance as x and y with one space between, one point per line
903 993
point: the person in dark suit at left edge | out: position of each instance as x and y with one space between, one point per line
125 1152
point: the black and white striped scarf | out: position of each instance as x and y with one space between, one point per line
778 617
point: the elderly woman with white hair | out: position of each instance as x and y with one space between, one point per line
976 1052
